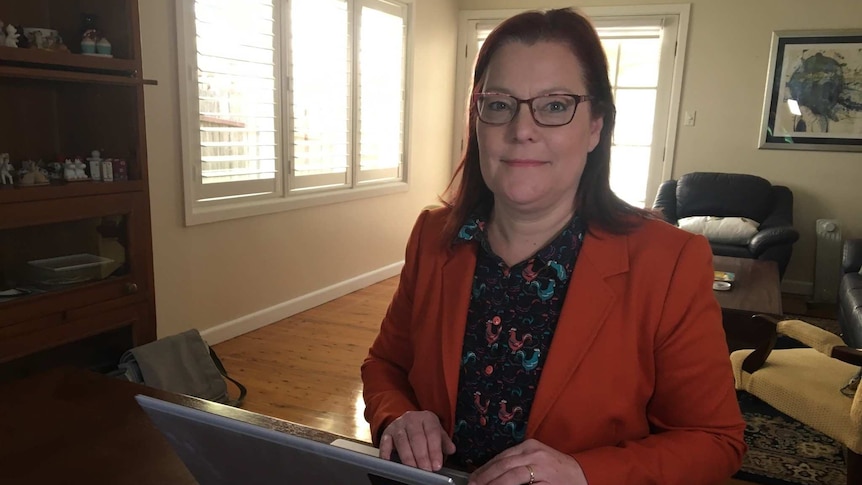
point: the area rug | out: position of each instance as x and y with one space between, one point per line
783 451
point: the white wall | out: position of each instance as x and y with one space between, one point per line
244 270
724 81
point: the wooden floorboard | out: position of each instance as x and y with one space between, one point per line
305 368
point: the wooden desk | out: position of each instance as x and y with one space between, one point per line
75 427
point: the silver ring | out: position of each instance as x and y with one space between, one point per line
532 475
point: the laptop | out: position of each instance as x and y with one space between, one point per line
222 451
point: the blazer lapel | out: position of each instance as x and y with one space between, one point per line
588 302
457 284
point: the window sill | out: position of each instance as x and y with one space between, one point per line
200 214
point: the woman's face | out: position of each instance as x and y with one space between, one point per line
527 166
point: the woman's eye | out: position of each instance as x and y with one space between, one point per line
498 106
556 107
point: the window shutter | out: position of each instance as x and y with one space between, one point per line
320 103
237 99
382 47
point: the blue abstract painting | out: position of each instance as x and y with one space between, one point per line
819 91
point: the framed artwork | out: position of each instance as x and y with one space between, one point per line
813 97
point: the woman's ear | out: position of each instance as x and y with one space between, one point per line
596 125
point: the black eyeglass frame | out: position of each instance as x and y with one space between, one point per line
578 98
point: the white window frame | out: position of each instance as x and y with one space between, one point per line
667 100
283 199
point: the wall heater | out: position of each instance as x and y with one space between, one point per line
827 264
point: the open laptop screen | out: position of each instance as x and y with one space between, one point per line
222 451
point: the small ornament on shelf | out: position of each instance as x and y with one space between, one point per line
6 169
55 170
108 170
93 43
74 171
95 161
32 174
11 36
69 171
45 39
121 171
80 173
103 47
88 46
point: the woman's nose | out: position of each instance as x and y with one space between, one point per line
523 125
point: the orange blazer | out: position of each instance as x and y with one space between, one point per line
637 385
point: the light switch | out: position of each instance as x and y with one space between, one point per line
689 118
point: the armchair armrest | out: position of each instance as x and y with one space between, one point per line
810 335
665 201
851 260
767 327
761 241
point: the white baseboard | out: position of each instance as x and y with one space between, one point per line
262 318
797 287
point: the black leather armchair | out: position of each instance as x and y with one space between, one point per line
850 294
735 195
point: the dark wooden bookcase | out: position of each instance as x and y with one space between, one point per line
66 104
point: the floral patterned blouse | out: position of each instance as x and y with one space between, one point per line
510 323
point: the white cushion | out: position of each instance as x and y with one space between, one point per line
725 230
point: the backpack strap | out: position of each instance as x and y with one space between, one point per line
242 390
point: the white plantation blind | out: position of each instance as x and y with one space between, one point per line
321 97
237 98
364 74
381 81
289 100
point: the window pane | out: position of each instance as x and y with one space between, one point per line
381 61
236 90
320 74
639 63
635 113
612 48
629 171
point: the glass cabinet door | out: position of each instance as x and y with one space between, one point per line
62 255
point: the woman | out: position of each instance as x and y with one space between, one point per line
543 331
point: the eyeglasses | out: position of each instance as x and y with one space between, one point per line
548 110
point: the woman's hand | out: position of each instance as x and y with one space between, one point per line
419 440
531 462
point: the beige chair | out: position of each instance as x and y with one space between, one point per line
806 383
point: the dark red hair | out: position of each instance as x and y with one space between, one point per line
596 203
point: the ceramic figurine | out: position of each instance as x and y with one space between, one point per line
55 171
69 171
103 47
5 169
30 174
80 174
11 36
88 46
95 162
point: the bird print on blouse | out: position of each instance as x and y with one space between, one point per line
510 322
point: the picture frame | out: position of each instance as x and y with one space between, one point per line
813 98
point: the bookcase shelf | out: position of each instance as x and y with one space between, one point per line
61 105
